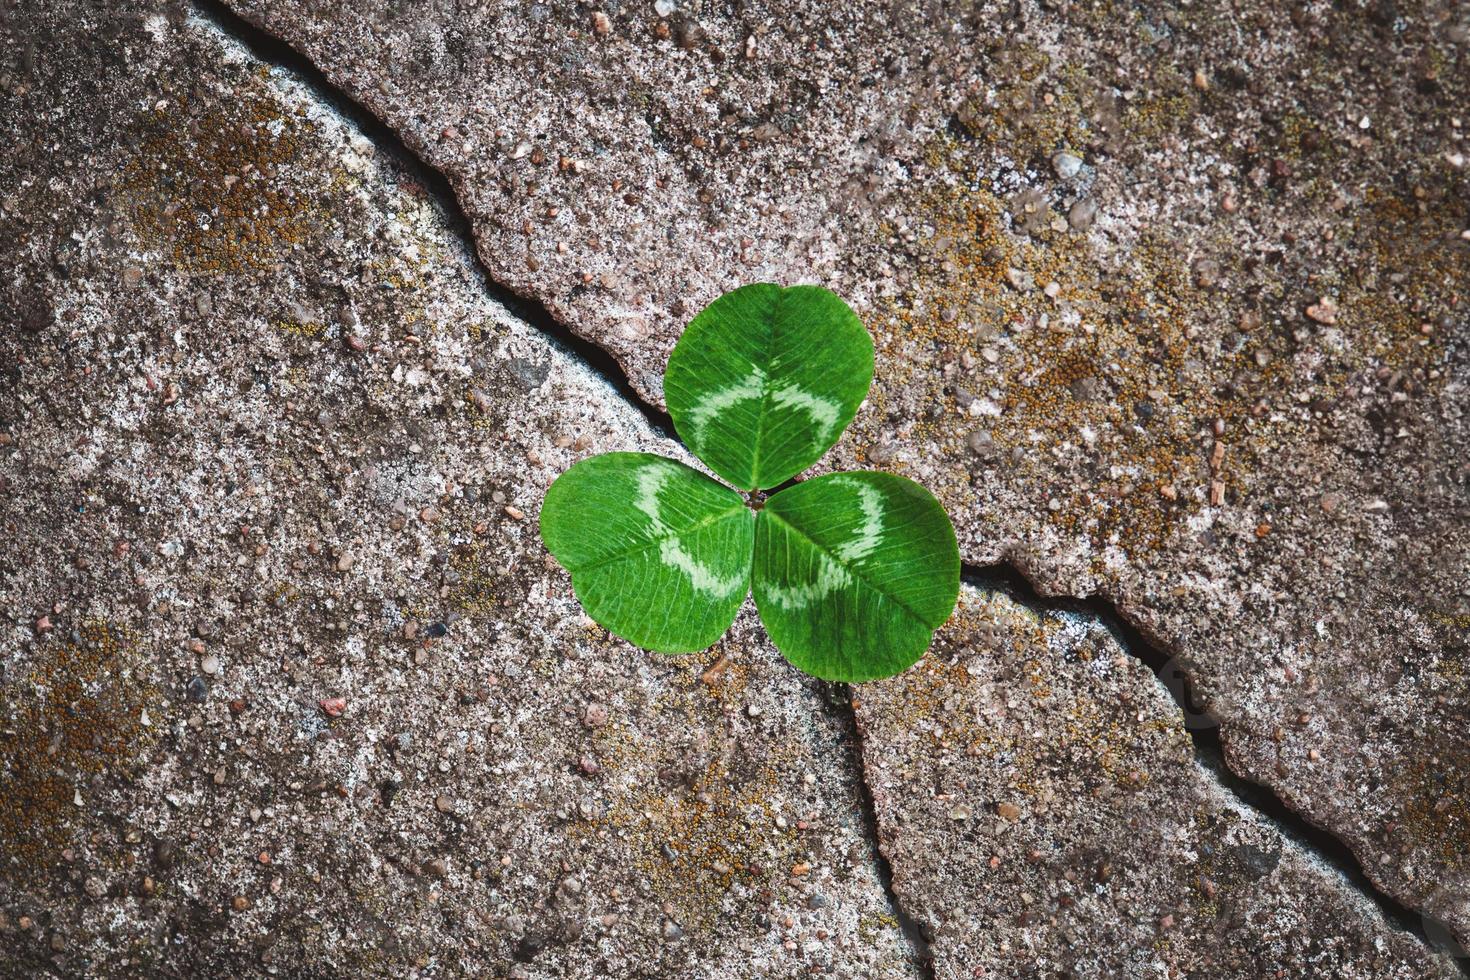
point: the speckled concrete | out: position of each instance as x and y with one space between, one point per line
1170 304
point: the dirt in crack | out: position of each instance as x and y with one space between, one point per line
1204 730
839 697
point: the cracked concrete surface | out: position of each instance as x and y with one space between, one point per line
1170 306
1041 805
269 443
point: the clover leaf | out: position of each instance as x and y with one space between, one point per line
852 572
765 380
659 553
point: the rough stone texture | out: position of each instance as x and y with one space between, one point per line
1041 804
288 684
1094 243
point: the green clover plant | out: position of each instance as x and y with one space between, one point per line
852 572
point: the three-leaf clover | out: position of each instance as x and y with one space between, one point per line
852 572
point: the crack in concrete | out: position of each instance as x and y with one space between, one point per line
1209 751
913 930
275 51
1003 576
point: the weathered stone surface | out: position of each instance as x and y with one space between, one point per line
1041 804
288 684
1170 306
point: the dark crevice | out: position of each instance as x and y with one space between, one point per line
1204 730
274 51
840 699
1003 577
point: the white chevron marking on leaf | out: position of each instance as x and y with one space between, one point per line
830 577
823 411
651 481
717 401
703 580
870 533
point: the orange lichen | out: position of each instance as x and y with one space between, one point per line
213 186
1435 790
81 712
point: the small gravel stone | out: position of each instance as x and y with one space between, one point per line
1020 279
981 443
1081 215
1066 165
1323 311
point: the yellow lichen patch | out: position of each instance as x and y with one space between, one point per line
216 188
1100 742
297 328
692 844
1216 867
283 594
722 672
1153 118
1031 112
927 692
477 591
80 713
1015 343
871 927
1452 640
1435 791
416 257
1407 274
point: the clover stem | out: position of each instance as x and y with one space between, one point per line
755 499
